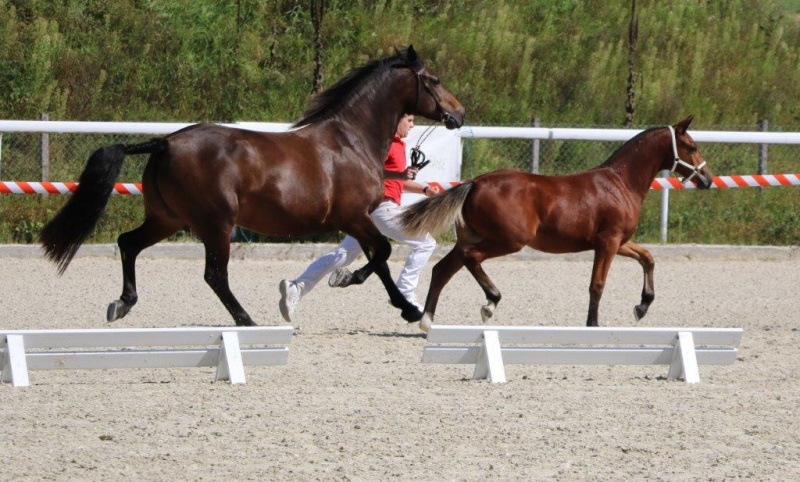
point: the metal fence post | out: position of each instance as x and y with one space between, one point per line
535 148
45 152
763 126
664 210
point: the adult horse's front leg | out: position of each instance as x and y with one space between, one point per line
377 249
130 245
218 248
603 256
645 259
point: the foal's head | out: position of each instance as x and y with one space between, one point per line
688 162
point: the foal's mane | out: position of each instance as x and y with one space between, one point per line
627 144
325 104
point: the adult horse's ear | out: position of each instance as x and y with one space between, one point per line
411 55
683 125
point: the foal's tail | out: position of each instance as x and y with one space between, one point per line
65 233
435 214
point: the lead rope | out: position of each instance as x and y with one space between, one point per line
418 158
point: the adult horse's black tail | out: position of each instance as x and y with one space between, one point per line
65 233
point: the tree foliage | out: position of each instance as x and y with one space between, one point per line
729 63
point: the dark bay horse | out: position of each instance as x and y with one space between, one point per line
503 211
326 174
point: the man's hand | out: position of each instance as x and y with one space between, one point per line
431 191
411 173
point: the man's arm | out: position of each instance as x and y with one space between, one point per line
417 188
409 173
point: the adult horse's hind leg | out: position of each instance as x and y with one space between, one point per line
218 249
130 244
645 259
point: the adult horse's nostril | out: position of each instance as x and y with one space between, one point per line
451 121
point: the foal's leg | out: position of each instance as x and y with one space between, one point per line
472 260
603 256
645 259
441 274
153 230
218 249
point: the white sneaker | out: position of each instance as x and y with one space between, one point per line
290 296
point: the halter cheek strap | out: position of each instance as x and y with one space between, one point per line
420 84
677 161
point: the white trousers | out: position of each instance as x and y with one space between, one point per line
385 218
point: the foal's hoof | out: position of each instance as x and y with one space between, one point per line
117 309
425 323
487 311
340 278
639 311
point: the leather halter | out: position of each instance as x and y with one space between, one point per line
677 161
421 83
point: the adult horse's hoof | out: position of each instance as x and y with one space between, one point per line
412 314
340 278
117 309
639 311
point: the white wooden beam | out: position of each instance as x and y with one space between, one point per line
490 361
230 359
15 365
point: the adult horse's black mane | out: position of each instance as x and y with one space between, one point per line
325 104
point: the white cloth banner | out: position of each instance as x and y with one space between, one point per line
443 148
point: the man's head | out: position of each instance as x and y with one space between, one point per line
405 125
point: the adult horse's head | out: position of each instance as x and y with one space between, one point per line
385 89
687 161
430 100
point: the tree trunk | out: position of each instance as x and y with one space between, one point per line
317 12
633 34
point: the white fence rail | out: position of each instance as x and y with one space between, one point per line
475 132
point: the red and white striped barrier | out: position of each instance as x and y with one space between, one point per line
22 187
720 182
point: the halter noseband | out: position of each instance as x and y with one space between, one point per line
677 161
420 84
